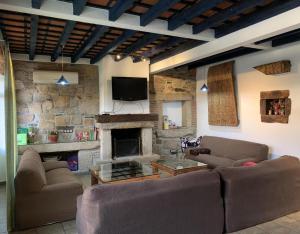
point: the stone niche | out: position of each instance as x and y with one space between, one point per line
275 106
176 85
49 106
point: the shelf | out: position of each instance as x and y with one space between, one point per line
60 147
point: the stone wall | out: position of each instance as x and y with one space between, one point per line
173 85
48 106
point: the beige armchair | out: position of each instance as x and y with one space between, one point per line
45 192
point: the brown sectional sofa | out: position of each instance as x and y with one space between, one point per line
189 203
45 192
229 152
254 195
193 202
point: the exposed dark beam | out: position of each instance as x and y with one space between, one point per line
144 41
78 6
222 57
156 10
98 32
63 39
118 41
36 4
286 38
186 46
119 8
264 13
226 14
189 13
172 41
34 21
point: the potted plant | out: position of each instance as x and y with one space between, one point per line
53 137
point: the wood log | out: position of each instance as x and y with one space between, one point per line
275 68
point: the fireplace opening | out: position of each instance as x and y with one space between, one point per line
126 142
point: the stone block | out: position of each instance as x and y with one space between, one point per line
75 119
61 120
42 88
171 143
25 118
47 105
22 109
24 96
40 97
19 85
35 107
44 124
62 101
89 122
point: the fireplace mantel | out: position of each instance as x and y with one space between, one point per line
126 118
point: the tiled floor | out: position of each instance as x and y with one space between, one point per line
289 224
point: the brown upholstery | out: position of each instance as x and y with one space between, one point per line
44 197
258 194
189 203
229 152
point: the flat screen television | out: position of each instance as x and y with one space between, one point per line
129 88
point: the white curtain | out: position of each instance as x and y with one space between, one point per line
10 134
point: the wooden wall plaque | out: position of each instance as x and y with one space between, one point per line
222 108
275 68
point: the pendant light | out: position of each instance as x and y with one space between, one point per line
62 80
204 88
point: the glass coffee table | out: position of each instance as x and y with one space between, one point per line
122 172
175 166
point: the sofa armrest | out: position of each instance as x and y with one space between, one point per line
63 188
50 165
241 161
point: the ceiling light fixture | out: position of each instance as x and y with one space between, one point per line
118 57
62 80
204 88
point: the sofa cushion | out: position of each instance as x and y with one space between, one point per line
189 203
258 194
60 175
212 161
31 173
234 149
52 164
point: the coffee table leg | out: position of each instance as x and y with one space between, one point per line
94 179
154 169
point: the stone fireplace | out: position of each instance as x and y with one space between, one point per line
118 130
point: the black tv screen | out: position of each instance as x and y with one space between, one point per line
129 88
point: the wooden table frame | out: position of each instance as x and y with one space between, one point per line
157 166
95 179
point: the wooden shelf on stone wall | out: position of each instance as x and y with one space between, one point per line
279 67
126 118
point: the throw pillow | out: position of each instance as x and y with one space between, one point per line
248 164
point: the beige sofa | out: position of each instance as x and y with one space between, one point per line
46 192
226 152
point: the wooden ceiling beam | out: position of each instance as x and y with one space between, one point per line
156 10
78 6
140 43
63 39
98 16
226 14
36 3
189 13
98 32
119 8
118 41
264 13
33 35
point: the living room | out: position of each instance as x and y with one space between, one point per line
113 109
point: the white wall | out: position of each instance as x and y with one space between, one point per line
174 111
108 68
283 139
